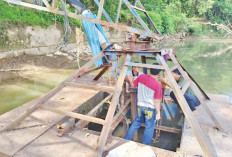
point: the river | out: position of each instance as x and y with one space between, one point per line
208 61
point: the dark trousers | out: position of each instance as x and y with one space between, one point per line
192 100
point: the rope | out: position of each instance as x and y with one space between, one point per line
126 119
67 28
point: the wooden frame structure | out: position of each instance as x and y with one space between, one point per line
111 121
96 83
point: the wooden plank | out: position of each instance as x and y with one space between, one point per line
92 70
82 123
203 140
49 95
54 4
186 86
133 111
109 117
174 67
84 68
186 77
74 115
139 9
99 14
46 3
145 65
96 87
118 12
101 73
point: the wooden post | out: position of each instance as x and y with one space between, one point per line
109 117
133 111
203 140
99 14
143 58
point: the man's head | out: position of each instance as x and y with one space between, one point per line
136 69
176 74
154 71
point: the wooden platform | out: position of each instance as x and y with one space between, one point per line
222 141
37 135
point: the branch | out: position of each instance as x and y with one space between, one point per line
220 26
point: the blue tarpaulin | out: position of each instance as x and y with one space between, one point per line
91 32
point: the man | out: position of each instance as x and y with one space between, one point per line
148 106
131 75
189 95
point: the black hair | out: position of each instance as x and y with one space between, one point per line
176 71
154 71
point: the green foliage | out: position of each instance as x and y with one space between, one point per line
23 16
170 16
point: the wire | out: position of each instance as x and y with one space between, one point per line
67 28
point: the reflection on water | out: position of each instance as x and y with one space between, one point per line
17 93
209 62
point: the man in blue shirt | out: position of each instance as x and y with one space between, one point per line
131 75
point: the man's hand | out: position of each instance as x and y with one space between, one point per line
157 116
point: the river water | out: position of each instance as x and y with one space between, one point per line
208 61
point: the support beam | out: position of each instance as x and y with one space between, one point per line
109 117
186 86
174 67
118 12
145 65
74 115
46 3
109 89
101 73
82 123
204 141
99 14
104 12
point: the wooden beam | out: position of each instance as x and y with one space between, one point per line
96 87
99 14
46 3
204 141
54 4
109 117
101 73
92 70
82 123
101 22
174 67
145 65
74 115
186 86
84 68
49 95
133 111
118 12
